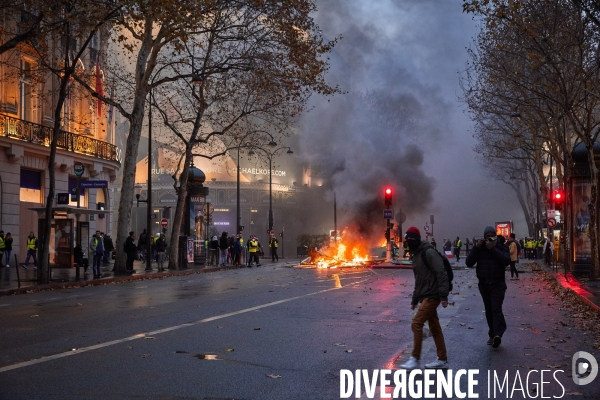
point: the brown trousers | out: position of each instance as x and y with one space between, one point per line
427 312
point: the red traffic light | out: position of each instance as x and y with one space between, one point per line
558 196
388 196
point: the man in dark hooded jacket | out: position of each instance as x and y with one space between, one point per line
431 289
491 257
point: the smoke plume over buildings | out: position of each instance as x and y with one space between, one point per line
399 123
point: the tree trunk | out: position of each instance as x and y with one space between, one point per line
128 183
145 64
43 271
179 211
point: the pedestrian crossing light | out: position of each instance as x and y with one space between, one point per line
388 197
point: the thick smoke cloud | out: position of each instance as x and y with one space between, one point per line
373 136
400 122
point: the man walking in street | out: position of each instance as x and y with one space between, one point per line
457 247
273 244
491 259
31 251
431 290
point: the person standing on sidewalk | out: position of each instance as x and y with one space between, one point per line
97 247
130 249
513 249
273 244
141 246
491 259
31 250
223 247
431 290
161 247
108 248
457 247
8 241
2 246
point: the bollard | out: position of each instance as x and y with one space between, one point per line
18 275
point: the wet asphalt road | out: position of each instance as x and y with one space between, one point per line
272 332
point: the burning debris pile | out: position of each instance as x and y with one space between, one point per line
347 251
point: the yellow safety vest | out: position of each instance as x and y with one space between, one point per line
2 244
253 246
31 243
273 243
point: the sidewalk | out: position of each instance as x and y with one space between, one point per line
67 277
588 291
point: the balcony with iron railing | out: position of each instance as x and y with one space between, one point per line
19 129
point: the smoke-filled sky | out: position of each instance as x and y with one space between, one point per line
401 123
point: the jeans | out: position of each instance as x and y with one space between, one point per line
97 263
223 259
160 259
513 269
493 297
254 257
427 312
31 253
7 254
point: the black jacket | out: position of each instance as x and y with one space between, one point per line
490 262
161 244
223 243
431 281
129 246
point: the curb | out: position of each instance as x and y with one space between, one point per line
116 279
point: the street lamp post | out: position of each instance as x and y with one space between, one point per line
270 155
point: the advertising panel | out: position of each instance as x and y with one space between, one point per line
504 228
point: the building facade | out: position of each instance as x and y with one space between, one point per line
28 99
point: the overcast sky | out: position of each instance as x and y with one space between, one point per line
409 52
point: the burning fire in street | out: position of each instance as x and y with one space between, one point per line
349 251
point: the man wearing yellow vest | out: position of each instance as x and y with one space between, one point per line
273 244
31 250
253 250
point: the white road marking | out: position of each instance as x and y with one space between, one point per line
159 331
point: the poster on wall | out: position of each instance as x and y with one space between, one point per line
582 247
504 229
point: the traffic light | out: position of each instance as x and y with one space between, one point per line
388 197
558 197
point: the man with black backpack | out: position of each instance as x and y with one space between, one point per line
431 288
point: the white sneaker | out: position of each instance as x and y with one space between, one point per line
412 363
437 364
